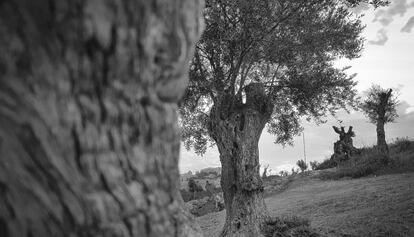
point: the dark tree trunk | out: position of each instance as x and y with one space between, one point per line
89 141
381 143
236 128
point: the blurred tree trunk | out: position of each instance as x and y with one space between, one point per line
236 130
89 141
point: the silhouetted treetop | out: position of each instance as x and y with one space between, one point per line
379 104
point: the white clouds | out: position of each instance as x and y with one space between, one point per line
385 17
382 38
408 26
397 7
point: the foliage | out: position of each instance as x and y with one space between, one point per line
402 144
372 161
359 167
193 186
379 106
283 173
326 164
294 171
314 164
288 226
302 165
288 46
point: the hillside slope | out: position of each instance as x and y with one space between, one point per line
372 206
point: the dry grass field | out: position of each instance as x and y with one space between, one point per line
370 206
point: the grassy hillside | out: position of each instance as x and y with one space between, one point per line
371 206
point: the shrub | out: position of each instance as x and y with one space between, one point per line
186 195
302 165
288 226
314 164
326 164
359 166
402 144
283 173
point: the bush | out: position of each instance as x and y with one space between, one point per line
402 144
326 164
302 165
288 226
369 160
193 186
314 164
359 166
283 173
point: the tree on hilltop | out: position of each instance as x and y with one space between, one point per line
380 107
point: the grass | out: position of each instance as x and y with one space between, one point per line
371 162
288 226
370 206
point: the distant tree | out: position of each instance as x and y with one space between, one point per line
380 108
194 187
302 165
283 173
314 164
210 188
294 171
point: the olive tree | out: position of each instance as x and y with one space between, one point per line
264 63
380 108
89 139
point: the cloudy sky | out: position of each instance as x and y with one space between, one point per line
387 60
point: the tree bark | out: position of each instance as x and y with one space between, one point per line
89 140
381 142
236 130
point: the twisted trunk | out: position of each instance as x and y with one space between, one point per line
236 128
89 141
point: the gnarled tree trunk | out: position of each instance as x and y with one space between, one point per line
236 128
89 141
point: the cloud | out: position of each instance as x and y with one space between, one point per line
386 15
409 25
382 38
397 7
360 8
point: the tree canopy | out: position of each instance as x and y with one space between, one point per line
380 104
288 46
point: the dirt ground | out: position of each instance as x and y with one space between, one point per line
372 206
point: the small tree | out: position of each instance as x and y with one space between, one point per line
380 108
314 164
193 187
302 165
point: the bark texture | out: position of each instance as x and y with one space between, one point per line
236 128
344 147
89 141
